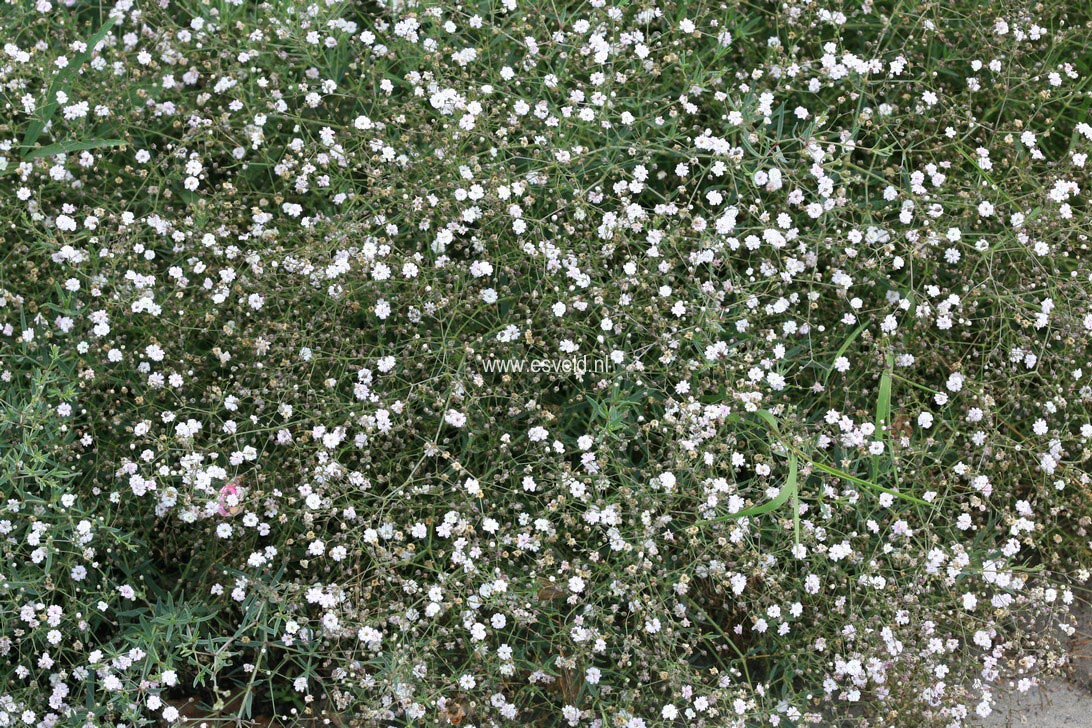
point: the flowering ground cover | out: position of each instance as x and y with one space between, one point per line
607 363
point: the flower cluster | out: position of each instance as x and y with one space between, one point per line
262 260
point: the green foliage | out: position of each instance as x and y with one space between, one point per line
273 277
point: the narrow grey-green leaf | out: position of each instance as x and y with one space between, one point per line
60 83
69 147
788 490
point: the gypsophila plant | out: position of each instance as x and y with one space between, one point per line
614 364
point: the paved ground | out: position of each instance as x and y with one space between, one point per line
1059 703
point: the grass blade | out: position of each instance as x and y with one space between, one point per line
883 410
60 83
788 490
883 402
68 147
867 483
843 348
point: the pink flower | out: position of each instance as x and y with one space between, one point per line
231 496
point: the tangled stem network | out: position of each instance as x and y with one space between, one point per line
596 363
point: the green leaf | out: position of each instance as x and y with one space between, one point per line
770 420
60 83
861 481
68 147
842 349
883 410
796 516
788 490
883 402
